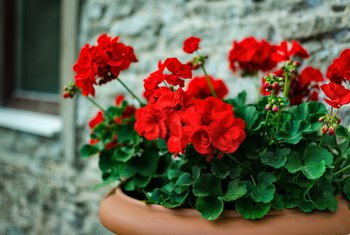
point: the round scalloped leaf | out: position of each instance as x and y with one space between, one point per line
210 207
250 209
235 190
207 185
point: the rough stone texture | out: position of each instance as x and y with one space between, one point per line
41 194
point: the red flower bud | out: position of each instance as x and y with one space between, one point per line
331 131
297 63
275 85
321 119
66 95
324 129
267 85
275 108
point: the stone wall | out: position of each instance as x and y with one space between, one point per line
41 194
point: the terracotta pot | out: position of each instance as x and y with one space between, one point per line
124 215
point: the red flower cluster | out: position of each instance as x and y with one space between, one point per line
283 54
209 124
191 44
198 88
305 87
99 64
251 55
339 70
171 71
337 94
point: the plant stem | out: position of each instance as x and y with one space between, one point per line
252 179
239 163
212 90
321 140
130 92
95 103
98 106
286 85
342 170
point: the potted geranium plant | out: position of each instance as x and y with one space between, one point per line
190 147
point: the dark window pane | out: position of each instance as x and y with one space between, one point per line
37 65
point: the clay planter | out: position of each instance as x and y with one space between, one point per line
124 215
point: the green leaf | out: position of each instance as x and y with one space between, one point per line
184 180
250 209
235 190
277 202
138 181
346 188
308 111
294 131
210 207
342 132
225 167
207 185
316 160
294 162
88 150
325 201
146 164
249 114
123 153
105 161
265 189
276 160
239 100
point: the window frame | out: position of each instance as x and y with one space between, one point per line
10 96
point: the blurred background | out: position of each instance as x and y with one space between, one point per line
45 188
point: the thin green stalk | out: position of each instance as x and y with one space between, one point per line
321 140
130 92
98 106
342 170
239 163
287 82
252 179
212 90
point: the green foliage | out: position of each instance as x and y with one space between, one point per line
250 209
283 163
210 207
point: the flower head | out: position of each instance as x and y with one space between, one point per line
191 44
337 94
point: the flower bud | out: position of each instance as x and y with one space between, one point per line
275 108
338 120
321 119
331 131
275 85
66 95
297 63
267 107
324 129
267 85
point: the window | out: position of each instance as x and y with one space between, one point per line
30 59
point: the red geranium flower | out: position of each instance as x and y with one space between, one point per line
337 94
251 56
172 71
96 120
283 54
339 70
199 88
150 122
84 69
191 44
